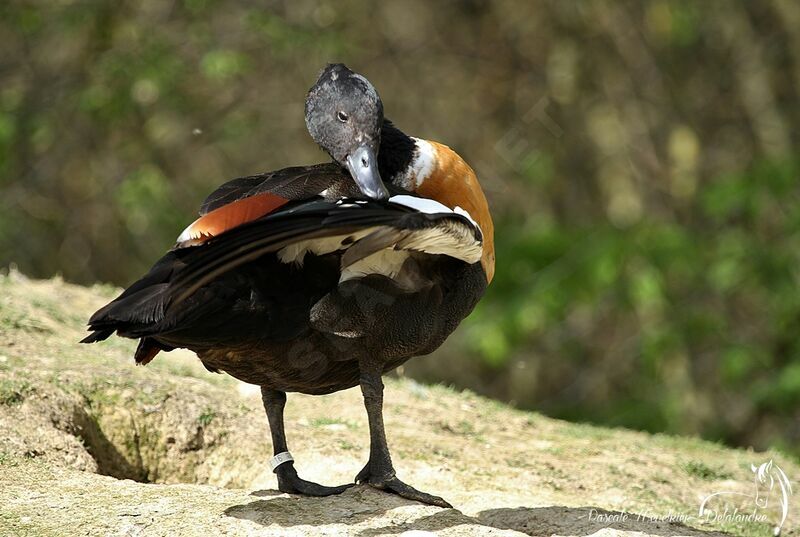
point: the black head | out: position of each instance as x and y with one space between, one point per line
344 115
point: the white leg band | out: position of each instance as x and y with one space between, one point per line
279 459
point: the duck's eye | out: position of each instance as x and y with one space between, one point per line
342 116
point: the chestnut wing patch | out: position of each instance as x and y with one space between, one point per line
229 216
249 198
294 183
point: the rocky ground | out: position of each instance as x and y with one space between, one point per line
91 445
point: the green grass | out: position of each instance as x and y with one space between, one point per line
7 460
206 417
462 428
348 446
324 422
703 471
13 392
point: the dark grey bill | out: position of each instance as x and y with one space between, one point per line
363 166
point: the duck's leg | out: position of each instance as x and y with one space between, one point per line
379 471
288 480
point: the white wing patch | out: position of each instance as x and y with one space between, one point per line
423 205
429 206
449 237
465 214
295 253
387 262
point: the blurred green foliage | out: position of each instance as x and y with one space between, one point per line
700 324
640 159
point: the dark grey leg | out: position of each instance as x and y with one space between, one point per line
288 480
379 471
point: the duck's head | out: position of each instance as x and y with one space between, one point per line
344 115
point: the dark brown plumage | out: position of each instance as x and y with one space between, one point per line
293 281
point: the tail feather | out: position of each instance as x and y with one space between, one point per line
147 350
97 335
143 307
139 307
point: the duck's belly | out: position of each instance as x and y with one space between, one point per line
315 366
365 319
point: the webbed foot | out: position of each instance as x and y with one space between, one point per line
290 482
391 483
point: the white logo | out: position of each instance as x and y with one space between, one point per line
766 477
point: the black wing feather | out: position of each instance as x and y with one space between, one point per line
294 183
151 305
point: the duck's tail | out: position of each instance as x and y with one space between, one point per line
137 311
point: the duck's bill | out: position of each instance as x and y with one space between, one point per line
363 166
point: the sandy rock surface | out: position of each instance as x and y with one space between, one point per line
91 445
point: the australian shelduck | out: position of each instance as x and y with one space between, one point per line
319 278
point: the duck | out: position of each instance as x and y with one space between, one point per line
315 279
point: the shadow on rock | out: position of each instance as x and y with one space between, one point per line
354 506
556 520
442 520
361 504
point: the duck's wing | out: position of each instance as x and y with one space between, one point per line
187 288
249 198
356 228
293 183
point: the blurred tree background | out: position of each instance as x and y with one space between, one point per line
640 158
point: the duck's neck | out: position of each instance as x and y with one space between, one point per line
396 152
433 170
